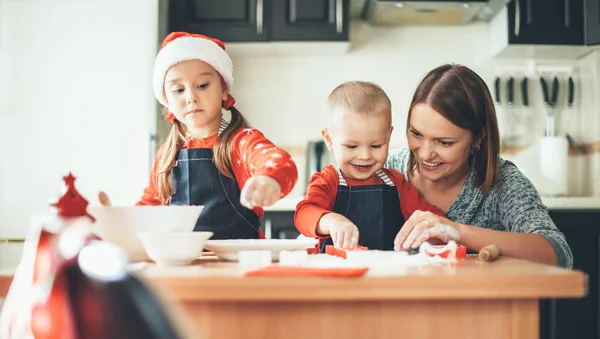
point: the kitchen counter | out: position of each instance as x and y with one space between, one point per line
288 204
469 299
572 203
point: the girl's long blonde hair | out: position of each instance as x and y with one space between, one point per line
176 139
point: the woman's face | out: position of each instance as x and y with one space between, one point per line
441 149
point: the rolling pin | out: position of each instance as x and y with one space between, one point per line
103 199
489 253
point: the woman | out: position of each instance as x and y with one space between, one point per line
453 160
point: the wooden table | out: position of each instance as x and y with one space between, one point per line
469 299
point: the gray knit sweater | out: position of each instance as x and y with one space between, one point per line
512 204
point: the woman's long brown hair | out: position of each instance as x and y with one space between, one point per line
462 97
176 139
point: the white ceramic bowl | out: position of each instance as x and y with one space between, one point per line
121 224
180 248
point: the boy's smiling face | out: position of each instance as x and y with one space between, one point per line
359 141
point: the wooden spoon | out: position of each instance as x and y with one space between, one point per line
103 198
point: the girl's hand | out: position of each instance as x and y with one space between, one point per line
260 191
424 226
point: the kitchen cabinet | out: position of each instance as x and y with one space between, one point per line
557 29
553 22
563 318
228 20
304 20
279 225
546 22
592 22
262 20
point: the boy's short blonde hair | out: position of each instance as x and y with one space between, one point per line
361 97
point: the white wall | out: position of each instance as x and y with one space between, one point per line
284 96
276 91
290 91
75 91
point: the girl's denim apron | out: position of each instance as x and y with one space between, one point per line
196 181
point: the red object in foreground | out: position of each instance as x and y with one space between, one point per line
65 293
53 317
71 204
292 271
461 252
340 252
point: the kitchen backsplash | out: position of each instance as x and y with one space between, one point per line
284 96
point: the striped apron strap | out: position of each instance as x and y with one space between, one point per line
386 179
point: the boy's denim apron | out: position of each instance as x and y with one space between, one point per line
374 209
196 181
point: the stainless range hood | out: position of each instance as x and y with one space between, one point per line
427 12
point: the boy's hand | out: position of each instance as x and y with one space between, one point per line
260 191
342 231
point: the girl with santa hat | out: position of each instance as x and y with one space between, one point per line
208 158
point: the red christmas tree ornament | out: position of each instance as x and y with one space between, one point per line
54 317
61 300
72 204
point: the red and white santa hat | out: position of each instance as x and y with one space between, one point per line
182 46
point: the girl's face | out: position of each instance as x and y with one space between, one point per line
441 149
195 92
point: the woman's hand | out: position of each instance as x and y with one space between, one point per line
424 226
260 191
343 232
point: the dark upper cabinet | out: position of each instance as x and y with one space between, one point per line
546 22
554 22
228 20
592 22
262 20
302 20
